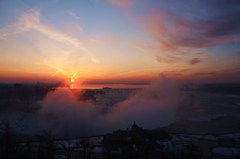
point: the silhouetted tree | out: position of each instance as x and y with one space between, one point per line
85 144
193 150
47 147
7 141
66 148
108 145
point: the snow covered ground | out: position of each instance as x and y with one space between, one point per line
227 151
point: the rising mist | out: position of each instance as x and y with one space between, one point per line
62 112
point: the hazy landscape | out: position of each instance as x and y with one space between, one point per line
190 113
119 79
193 109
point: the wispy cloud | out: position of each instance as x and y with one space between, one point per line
211 73
30 20
167 59
197 58
73 14
201 55
123 4
220 75
73 28
172 31
194 61
182 35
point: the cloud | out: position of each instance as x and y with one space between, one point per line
196 58
201 55
204 73
194 61
172 32
73 14
167 59
193 28
177 73
123 4
30 20
73 28
12 29
219 75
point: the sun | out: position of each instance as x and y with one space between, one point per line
72 80
72 84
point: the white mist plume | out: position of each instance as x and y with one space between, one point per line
63 113
152 107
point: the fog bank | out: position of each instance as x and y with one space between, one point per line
63 113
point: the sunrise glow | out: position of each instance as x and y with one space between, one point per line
119 79
116 41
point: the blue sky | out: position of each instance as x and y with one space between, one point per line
120 39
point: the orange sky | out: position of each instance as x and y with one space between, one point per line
114 41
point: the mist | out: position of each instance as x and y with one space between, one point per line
62 112
152 107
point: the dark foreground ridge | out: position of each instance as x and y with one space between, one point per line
134 142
